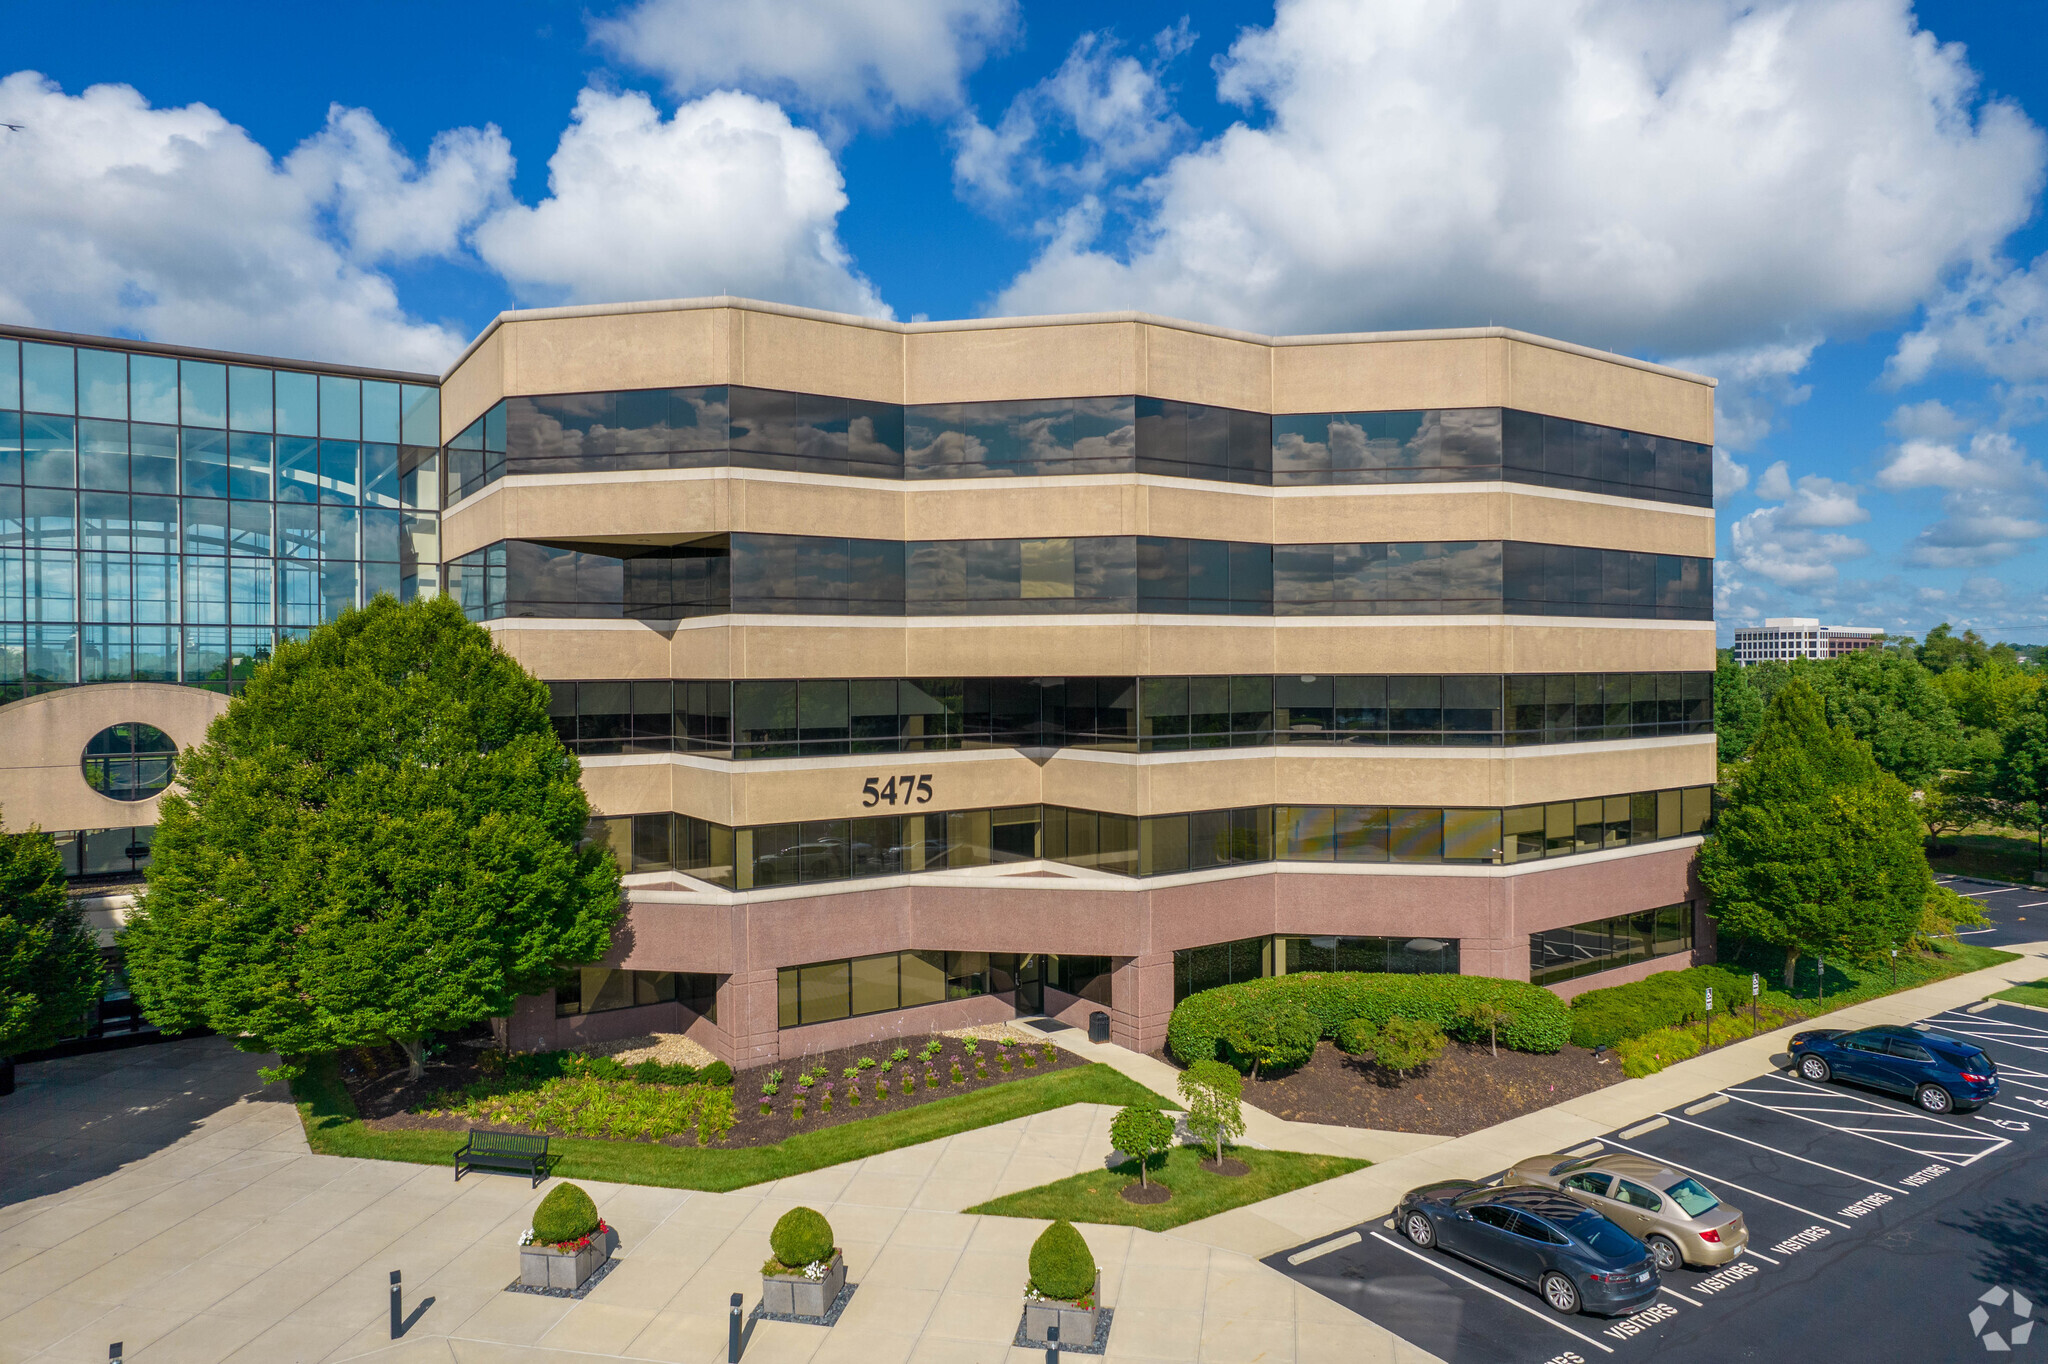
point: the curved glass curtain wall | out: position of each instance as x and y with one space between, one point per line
164 519
756 428
824 850
829 717
1066 575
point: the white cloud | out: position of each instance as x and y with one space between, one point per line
175 224
728 196
1683 179
1995 462
1776 484
1117 107
1771 543
1989 490
1930 420
1995 318
1729 477
851 61
390 209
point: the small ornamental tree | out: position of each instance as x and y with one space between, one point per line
1141 1133
1407 1044
50 969
1212 1092
381 838
1489 1015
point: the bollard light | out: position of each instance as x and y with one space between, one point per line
397 1307
732 1333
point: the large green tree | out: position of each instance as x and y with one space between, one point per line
1891 703
379 839
1943 650
49 960
1817 849
1738 707
2019 776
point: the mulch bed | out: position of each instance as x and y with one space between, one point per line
752 1129
1465 1090
1228 1168
1145 1194
384 1097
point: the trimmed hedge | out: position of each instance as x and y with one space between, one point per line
1334 998
566 1214
1062 1266
1602 1018
801 1237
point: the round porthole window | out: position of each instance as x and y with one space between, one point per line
129 762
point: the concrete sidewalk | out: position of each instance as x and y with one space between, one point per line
1342 1203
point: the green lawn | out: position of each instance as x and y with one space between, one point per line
1994 853
2034 992
1853 982
1093 1197
333 1128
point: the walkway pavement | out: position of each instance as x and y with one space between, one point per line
163 1197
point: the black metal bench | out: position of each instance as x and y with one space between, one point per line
488 1150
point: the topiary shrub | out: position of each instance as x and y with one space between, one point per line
801 1237
1332 998
566 1214
1357 1036
1272 1039
1407 1044
1062 1266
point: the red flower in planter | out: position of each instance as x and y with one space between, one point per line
582 1242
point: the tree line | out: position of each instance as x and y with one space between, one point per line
1961 723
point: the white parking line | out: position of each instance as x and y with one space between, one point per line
2032 904
1870 1134
2003 1024
1860 1179
1496 1292
1765 1258
1717 1179
1667 1288
1974 932
1893 1108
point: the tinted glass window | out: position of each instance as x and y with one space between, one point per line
1909 1051
1692 1196
1607 1239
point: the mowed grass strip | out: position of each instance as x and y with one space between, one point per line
333 1128
2034 993
1094 1196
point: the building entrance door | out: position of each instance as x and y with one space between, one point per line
1031 984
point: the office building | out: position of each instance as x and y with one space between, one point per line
925 674
1787 637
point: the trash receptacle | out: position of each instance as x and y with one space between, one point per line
1098 1026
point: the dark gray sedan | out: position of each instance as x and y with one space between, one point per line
1573 1257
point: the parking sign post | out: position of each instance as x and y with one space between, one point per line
1895 968
1710 1016
1756 987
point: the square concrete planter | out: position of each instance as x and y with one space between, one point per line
546 1267
1077 1324
792 1295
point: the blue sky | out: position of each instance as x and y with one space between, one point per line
1832 205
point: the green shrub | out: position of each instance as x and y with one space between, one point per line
1355 1036
801 1237
1062 1266
1333 998
653 1072
566 1214
717 1073
1651 1052
1407 1044
1601 1018
1277 1038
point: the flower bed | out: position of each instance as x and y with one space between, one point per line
831 1088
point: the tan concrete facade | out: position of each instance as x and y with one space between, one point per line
743 939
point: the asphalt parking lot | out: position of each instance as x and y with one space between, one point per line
1878 1233
2018 913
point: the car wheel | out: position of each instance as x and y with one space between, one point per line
1561 1293
1934 1099
1665 1251
1814 1069
1419 1229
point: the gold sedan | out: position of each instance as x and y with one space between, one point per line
1675 1215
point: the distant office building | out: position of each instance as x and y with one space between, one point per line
1784 637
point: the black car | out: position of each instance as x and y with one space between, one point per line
1575 1258
1942 1073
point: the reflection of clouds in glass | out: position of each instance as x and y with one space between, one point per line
1472 571
1022 436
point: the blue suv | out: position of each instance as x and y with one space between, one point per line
1942 1073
